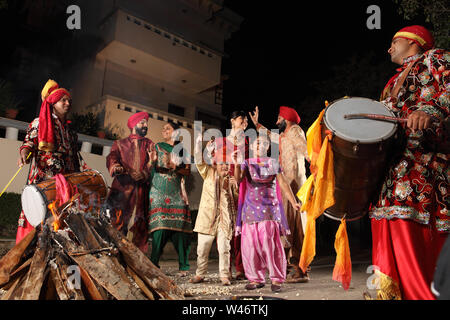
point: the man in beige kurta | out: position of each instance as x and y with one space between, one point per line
216 218
293 152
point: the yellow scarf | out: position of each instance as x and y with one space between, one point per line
316 195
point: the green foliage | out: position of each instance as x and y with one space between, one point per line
10 207
87 123
435 12
3 4
111 132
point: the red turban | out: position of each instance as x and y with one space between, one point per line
51 94
420 35
136 118
289 114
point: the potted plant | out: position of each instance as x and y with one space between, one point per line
87 123
112 132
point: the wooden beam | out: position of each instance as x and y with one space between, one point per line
146 270
38 268
13 257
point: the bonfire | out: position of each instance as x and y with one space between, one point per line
76 255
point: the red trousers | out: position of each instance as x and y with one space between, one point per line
235 254
407 252
23 231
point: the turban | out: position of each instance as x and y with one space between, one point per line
50 94
136 118
420 35
289 114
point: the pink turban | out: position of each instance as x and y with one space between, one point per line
136 118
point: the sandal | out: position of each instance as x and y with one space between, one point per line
253 286
225 281
196 279
183 273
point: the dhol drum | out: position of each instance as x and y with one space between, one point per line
36 197
360 151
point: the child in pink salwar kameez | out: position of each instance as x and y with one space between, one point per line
261 217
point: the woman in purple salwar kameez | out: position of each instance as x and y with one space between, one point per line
261 218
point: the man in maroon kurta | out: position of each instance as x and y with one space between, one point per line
129 164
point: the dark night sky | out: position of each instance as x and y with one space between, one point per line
282 46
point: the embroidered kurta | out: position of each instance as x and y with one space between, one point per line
293 152
262 198
128 199
410 220
417 185
168 201
218 203
64 159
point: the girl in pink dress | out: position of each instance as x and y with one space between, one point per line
261 218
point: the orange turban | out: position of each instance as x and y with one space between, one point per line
50 94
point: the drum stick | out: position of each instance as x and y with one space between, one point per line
373 117
14 176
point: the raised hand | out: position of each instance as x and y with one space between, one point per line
254 116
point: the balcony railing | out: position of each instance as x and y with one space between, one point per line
14 127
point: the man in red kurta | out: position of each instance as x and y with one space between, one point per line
130 165
410 221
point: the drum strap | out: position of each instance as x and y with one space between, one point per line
401 79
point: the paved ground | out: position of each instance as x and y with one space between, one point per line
320 287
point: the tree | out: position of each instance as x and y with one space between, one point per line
435 12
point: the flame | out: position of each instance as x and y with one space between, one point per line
52 208
118 218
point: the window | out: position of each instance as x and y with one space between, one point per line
174 109
209 119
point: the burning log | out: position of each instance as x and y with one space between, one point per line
75 255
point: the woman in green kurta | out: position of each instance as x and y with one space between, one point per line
170 218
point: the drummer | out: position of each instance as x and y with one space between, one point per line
410 221
130 166
292 145
51 141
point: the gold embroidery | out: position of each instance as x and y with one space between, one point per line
388 288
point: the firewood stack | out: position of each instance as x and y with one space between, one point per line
82 256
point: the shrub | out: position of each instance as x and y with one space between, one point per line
10 207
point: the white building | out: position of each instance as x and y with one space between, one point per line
159 56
